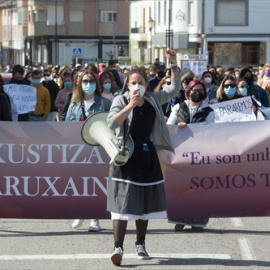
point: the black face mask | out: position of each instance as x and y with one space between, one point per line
196 97
249 80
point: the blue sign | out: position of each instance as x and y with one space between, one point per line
76 52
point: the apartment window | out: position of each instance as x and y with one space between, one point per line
108 16
231 13
40 16
76 16
191 12
250 54
20 16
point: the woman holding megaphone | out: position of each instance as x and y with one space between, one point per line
136 190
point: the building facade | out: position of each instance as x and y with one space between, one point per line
63 31
226 32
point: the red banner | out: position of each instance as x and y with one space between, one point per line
219 170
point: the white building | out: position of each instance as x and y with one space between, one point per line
232 33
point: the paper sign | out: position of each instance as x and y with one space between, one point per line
236 110
23 98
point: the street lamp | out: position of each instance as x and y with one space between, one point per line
151 25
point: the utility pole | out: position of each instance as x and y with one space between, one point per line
202 28
56 36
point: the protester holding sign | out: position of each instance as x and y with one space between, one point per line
17 78
43 105
193 110
227 90
243 88
136 190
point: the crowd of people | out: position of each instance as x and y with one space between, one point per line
138 98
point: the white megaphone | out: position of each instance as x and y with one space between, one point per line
96 132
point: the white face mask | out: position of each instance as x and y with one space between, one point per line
139 87
48 78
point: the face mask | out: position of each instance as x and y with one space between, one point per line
107 86
36 81
243 91
230 91
89 88
249 80
136 87
261 72
267 73
196 97
254 83
68 84
48 78
207 80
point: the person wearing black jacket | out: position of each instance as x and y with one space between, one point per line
5 114
53 88
17 78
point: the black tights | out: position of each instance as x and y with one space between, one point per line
119 231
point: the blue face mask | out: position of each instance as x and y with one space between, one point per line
36 81
230 91
68 84
243 91
89 88
107 86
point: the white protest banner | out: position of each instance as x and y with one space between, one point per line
198 67
22 97
236 110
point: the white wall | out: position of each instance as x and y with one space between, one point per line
258 19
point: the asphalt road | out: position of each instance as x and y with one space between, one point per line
238 243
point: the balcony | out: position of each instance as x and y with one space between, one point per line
137 30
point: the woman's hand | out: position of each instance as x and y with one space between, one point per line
182 124
170 55
136 99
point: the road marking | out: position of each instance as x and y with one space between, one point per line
237 222
107 256
246 249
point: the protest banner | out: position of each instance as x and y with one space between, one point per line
196 66
235 110
23 98
218 170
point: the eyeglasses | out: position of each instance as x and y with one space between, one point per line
229 85
89 81
243 86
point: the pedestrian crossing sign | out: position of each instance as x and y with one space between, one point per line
77 52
